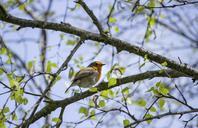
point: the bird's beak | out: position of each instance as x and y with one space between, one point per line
103 64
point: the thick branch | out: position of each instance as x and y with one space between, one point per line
103 86
119 44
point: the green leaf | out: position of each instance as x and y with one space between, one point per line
161 103
151 3
91 103
56 120
104 93
2 124
111 93
17 95
102 103
71 73
25 101
122 69
112 82
129 101
125 91
14 117
9 60
156 92
54 65
163 90
116 29
148 116
158 84
22 7
3 51
152 21
77 6
151 89
108 75
93 89
139 9
84 111
19 78
141 103
18 98
71 42
6 110
13 83
153 109
30 64
126 122
107 93
112 20
146 57
1 71
92 113
164 64
57 79
114 67
50 65
148 34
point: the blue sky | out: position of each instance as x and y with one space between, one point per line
30 51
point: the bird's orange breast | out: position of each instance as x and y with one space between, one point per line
99 69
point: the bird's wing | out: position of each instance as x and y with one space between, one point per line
84 73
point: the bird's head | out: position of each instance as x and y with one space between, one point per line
96 64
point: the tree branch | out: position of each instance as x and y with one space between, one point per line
163 115
103 86
91 14
62 67
119 44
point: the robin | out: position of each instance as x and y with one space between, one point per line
87 77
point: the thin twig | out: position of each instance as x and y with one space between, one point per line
92 15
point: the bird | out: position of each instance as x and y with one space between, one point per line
87 77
